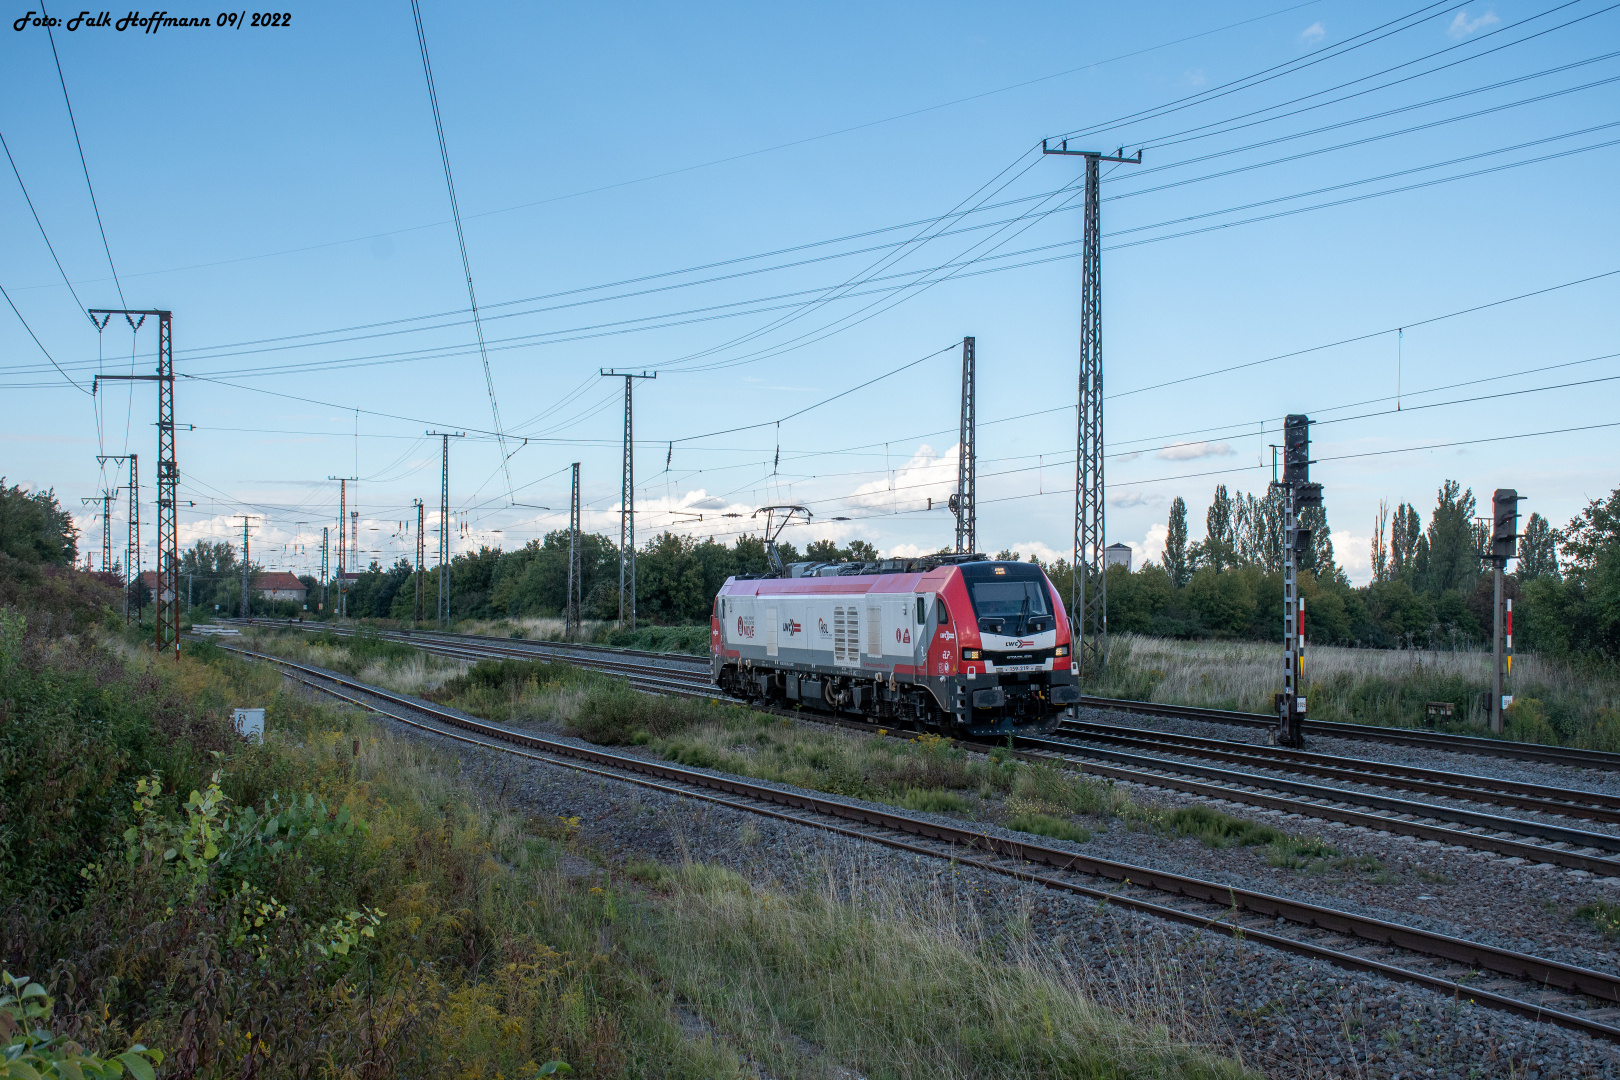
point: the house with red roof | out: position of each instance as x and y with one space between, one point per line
279 585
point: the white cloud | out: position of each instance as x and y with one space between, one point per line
713 502
1039 550
1127 499
1354 554
906 551
1188 451
1150 547
1313 33
927 475
1194 77
1462 25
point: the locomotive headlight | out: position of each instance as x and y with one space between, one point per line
972 654
1062 650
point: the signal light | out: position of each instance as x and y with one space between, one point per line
1296 449
1504 524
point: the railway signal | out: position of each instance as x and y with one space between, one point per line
1504 546
1298 494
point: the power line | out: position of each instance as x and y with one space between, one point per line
213 350
43 235
461 240
1265 75
41 344
1177 137
82 163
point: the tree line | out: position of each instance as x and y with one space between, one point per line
1430 587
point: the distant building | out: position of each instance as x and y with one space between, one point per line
1117 555
279 585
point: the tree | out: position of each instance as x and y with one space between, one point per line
1590 532
1380 550
1405 534
1217 551
1257 530
1448 554
34 529
1175 543
213 572
1538 550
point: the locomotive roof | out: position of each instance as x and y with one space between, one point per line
922 579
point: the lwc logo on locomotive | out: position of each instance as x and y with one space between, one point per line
955 643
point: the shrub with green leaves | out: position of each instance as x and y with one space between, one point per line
31 1051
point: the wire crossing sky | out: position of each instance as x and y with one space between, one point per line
1397 217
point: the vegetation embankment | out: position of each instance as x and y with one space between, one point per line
294 908
1557 702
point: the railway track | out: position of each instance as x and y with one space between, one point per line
1429 740
1143 761
1579 998
1510 837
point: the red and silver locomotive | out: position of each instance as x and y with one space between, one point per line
958 643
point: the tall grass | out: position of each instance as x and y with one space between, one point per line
896 981
1575 704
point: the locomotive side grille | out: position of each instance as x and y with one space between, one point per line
874 630
841 634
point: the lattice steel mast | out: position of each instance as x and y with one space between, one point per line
168 539
964 504
576 584
343 547
1088 589
627 505
444 523
421 561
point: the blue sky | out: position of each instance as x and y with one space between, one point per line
281 191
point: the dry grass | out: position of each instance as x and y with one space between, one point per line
405 670
894 977
534 629
1376 686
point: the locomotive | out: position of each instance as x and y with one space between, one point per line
961 643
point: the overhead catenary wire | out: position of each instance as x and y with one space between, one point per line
42 233
79 143
40 343
461 239
215 350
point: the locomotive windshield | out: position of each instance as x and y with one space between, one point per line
1009 598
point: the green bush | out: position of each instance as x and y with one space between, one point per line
616 715
1047 825
693 640
935 800
1218 830
31 1051
77 729
1526 720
